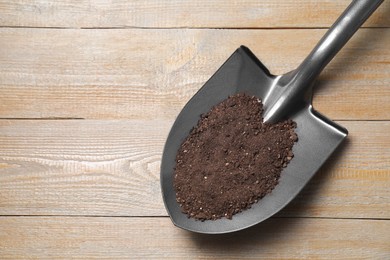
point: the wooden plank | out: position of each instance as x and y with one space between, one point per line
111 168
157 238
179 13
138 74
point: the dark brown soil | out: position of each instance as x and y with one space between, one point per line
231 159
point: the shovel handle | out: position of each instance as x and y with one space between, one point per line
297 83
331 43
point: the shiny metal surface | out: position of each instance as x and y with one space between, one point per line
283 96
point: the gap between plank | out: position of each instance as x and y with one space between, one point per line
42 118
174 28
107 216
129 119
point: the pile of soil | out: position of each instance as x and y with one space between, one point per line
231 159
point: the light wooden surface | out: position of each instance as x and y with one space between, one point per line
111 168
179 13
156 238
151 73
90 89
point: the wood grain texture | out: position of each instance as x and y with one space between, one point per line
157 238
89 189
146 74
111 168
180 13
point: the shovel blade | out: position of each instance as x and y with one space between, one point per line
318 138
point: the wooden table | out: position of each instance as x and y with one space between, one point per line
90 89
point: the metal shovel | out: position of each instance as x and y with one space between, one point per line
284 96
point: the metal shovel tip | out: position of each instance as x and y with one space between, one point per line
285 96
318 139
